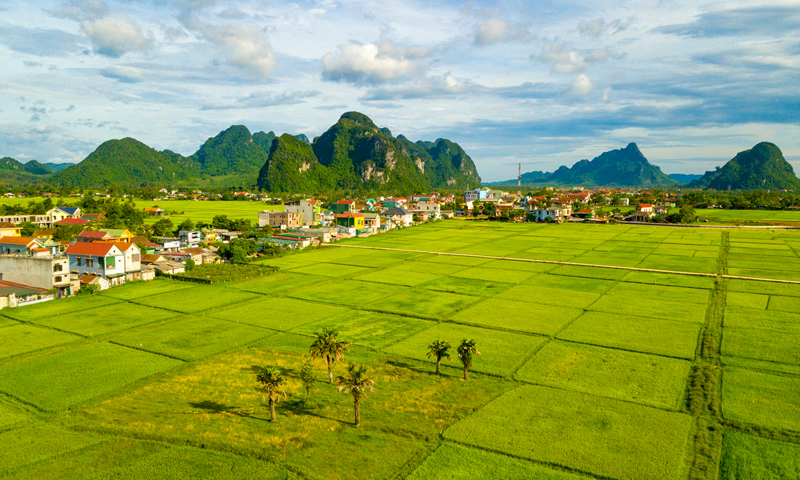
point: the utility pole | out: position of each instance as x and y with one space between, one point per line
519 181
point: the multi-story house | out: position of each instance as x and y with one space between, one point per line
100 259
309 210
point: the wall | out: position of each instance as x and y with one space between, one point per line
32 271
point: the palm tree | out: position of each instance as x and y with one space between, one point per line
271 380
439 349
465 352
307 377
328 346
357 383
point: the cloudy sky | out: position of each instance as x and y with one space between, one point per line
542 83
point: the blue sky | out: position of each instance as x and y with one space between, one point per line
541 83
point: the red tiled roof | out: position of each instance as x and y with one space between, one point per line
73 221
86 248
92 234
16 240
346 202
349 214
644 205
584 211
144 240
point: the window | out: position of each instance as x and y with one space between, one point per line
58 279
79 261
58 267
90 262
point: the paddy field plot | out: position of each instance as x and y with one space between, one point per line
584 371
60 380
36 442
756 458
585 433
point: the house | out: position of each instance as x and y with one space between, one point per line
169 267
93 216
154 212
372 221
197 254
88 279
301 241
43 234
177 256
399 216
152 258
428 207
92 236
280 220
344 206
8 229
19 245
553 214
584 213
71 221
394 202
43 221
13 294
97 258
190 237
477 194
644 212
143 242
309 210
133 260
45 272
73 212
350 220
120 235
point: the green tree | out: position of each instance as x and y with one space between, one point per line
439 349
28 228
270 379
356 382
307 377
162 227
185 226
189 265
466 350
489 209
328 346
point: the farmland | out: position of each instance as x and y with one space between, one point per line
603 370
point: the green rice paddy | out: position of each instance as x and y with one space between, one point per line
585 371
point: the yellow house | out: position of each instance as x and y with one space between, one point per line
8 229
350 220
120 235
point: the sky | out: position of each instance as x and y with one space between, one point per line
543 84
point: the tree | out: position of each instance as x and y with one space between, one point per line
489 209
357 383
162 227
439 349
28 228
189 264
185 226
328 346
307 377
465 352
270 380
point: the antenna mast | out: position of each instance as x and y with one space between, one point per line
519 181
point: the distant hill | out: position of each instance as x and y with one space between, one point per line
127 162
355 154
57 167
626 167
761 167
684 177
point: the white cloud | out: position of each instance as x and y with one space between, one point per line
376 63
496 30
116 36
582 86
245 46
123 73
429 87
262 100
598 27
564 60
82 11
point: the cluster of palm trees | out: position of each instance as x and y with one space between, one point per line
466 350
356 381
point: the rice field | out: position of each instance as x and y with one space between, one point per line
586 370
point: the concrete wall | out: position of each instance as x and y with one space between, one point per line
35 272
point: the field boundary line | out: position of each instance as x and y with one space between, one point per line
573 264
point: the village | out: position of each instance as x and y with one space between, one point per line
39 267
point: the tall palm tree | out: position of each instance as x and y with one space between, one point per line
465 352
439 349
271 380
328 346
307 377
357 383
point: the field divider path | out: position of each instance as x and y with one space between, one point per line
574 264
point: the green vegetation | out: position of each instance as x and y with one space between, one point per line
584 372
761 167
590 434
226 272
754 458
356 382
60 380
